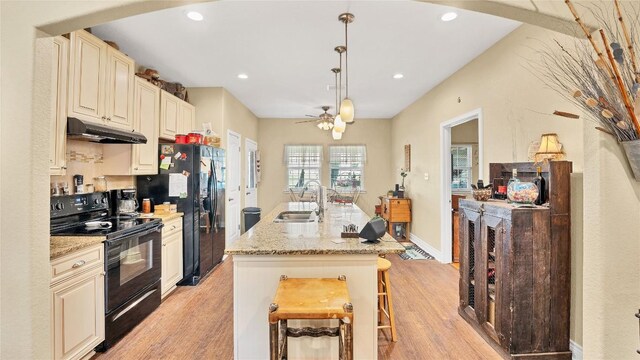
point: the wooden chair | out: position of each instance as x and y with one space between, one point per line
385 302
310 299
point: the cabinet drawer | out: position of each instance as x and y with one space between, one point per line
400 215
77 262
172 226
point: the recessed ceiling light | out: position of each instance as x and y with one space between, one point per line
243 76
449 16
398 76
195 16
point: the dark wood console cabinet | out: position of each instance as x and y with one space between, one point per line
515 272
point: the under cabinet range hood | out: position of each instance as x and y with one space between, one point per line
87 131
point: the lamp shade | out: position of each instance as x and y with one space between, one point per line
550 148
347 111
336 135
338 124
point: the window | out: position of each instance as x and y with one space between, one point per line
303 163
461 167
346 163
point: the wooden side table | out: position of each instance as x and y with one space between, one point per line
397 210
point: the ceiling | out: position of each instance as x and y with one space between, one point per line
286 49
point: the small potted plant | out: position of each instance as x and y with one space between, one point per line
404 174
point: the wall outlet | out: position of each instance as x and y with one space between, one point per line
426 176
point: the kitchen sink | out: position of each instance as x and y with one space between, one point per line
295 217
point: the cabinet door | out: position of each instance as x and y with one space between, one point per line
488 272
171 260
169 113
469 238
87 77
119 90
146 120
187 118
78 315
58 123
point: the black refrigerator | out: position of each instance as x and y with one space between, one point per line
193 177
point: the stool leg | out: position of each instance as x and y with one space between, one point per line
348 341
392 320
380 298
340 340
273 341
284 345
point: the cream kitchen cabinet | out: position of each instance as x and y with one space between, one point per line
139 159
187 118
169 115
171 255
176 116
77 300
58 121
100 82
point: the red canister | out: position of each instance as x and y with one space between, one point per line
182 139
195 138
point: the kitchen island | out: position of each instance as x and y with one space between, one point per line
306 250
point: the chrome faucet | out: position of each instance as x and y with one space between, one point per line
319 195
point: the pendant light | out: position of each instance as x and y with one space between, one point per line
347 110
339 126
336 135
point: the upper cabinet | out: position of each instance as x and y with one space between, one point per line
146 118
187 117
100 82
176 116
58 121
169 115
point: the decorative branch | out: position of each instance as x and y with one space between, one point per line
620 83
584 28
627 38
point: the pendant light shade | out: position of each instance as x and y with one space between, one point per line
336 135
347 110
338 124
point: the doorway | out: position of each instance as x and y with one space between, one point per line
251 182
461 164
233 186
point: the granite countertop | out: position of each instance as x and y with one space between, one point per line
269 238
63 245
168 217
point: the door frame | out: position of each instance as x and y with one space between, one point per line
446 239
247 144
228 172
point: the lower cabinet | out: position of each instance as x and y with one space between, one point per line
77 300
172 259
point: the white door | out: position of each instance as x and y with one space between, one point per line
232 226
251 184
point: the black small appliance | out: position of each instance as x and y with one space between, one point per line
374 230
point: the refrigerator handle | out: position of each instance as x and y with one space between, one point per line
213 195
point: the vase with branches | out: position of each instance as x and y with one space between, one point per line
602 75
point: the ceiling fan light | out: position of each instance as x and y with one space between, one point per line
320 126
338 124
336 135
347 111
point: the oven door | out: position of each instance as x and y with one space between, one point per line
133 263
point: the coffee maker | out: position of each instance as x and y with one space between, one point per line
124 202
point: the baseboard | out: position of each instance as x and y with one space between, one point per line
426 247
576 350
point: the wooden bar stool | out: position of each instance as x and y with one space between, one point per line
385 303
310 299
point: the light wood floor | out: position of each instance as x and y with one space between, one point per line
197 322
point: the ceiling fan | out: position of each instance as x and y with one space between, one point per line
323 121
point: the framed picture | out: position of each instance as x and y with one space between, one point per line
407 158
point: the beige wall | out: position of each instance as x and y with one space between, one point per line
273 134
219 107
467 133
513 103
